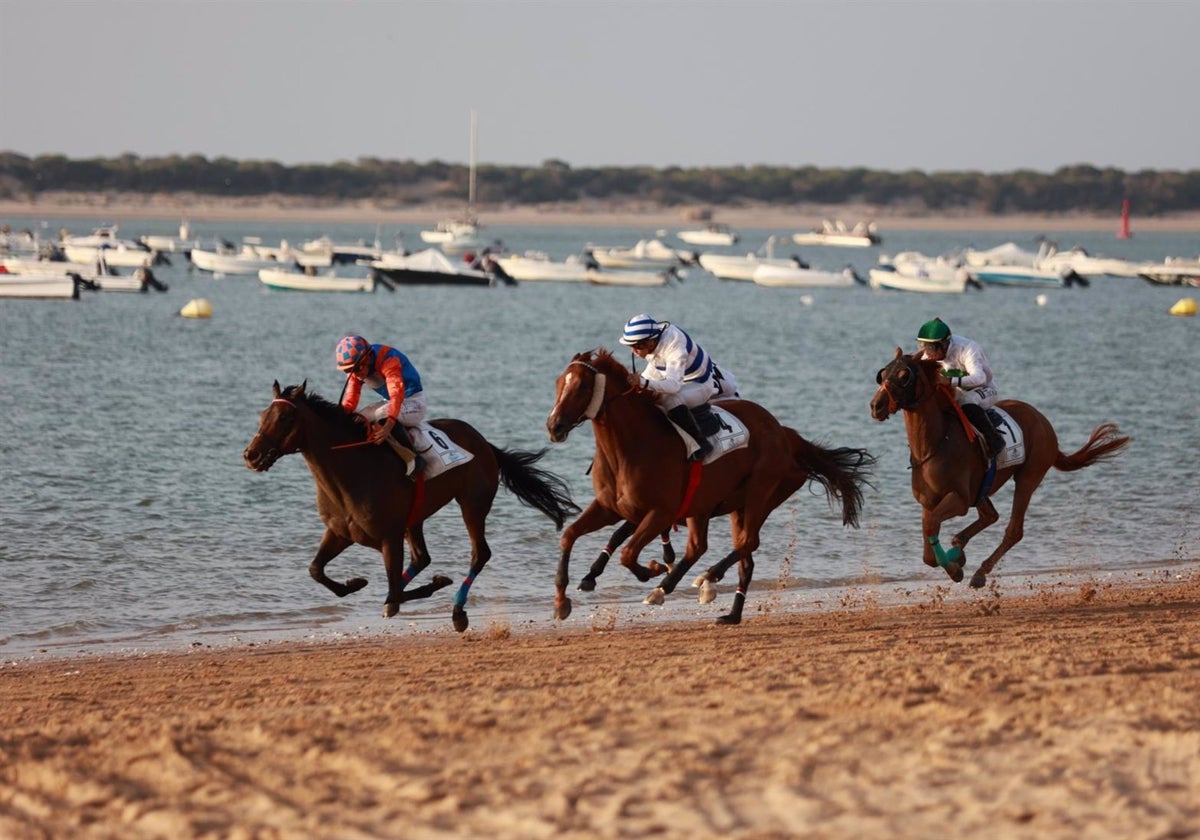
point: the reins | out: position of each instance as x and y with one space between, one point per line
598 402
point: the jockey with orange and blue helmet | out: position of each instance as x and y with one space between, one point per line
393 376
678 372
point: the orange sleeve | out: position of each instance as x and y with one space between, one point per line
393 374
353 391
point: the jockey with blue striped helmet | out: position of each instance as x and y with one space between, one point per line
678 372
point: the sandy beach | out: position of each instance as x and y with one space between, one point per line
1062 711
202 208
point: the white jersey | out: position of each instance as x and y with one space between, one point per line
676 360
977 384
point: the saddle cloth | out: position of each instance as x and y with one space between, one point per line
432 444
1013 452
732 434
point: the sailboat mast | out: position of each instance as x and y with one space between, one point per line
471 182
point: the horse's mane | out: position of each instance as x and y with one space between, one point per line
329 412
602 359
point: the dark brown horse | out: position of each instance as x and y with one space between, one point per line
364 497
641 474
948 468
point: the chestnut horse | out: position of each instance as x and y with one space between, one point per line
364 497
948 468
641 474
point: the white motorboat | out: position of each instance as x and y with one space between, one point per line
742 266
103 243
246 261
100 278
303 281
180 244
324 250
1010 253
647 255
1081 262
632 277
1173 271
910 271
795 277
52 286
714 234
537 267
862 235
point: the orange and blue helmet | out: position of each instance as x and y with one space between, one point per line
350 351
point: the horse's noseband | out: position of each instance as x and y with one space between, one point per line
888 382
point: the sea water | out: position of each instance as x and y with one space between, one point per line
129 521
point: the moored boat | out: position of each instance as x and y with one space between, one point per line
291 280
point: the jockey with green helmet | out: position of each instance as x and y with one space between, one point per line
678 372
966 367
390 374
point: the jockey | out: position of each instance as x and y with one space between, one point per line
964 365
679 373
391 375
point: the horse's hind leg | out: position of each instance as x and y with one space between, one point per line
475 517
696 546
987 517
331 546
745 573
594 517
714 573
1014 531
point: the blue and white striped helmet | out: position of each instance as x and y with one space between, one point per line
639 328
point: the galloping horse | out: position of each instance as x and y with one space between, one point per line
364 497
641 474
948 469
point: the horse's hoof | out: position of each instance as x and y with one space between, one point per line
729 620
708 593
700 579
562 611
587 585
656 597
355 584
655 568
955 571
390 609
459 617
440 581
978 580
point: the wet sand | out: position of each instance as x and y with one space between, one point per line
1063 711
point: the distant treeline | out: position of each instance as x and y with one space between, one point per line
1079 188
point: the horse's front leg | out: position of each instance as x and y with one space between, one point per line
668 556
398 593
652 524
601 562
332 545
594 517
697 544
950 506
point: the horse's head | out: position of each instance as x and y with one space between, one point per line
581 392
278 429
903 382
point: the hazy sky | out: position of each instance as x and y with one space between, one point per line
992 85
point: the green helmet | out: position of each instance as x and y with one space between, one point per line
935 330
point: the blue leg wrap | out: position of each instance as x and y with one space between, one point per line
945 558
460 600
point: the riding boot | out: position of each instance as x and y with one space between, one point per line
980 420
414 461
682 417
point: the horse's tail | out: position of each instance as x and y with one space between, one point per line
843 472
535 487
1105 443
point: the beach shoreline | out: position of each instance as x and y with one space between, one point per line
202 208
1063 712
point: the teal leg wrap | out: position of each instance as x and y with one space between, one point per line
945 558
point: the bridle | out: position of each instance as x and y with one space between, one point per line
887 383
598 402
276 450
